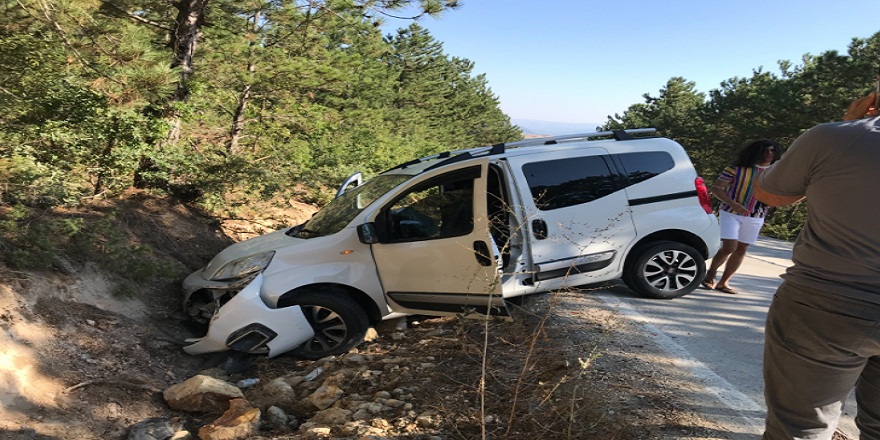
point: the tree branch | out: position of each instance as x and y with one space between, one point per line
6 91
138 18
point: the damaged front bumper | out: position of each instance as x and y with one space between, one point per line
245 323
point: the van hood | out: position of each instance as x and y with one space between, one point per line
263 243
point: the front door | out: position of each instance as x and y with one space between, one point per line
436 255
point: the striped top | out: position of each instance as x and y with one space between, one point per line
741 189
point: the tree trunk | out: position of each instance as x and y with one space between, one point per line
187 30
190 18
238 118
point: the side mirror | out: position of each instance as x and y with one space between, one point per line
367 233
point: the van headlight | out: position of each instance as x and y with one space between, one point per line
243 267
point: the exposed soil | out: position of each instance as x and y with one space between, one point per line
79 361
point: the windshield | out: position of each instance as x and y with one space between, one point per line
340 212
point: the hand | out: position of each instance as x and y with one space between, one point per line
740 209
862 108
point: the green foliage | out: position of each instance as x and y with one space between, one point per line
24 245
25 181
39 239
712 127
786 223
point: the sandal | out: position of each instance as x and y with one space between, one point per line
726 289
708 285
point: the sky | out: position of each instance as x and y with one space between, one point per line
579 61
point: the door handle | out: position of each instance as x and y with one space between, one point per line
481 252
539 229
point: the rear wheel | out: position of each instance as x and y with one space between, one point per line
338 321
664 269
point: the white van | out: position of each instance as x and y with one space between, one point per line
461 232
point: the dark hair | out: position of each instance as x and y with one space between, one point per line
752 151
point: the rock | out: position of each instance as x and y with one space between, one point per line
276 392
370 375
201 394
381 424
293 380
331 417
426 419
394 403
325 360
216 373
155 428
373 407
354 359
315 430
293 423
240 421
314 374
337 378
371 335
361 414
276 417
325 396
390 325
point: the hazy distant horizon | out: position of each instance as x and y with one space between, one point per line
551 128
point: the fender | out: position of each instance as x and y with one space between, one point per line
358 272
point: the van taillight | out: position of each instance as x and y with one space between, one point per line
703 195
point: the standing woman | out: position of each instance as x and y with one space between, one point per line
741 215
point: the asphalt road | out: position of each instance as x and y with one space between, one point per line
718 339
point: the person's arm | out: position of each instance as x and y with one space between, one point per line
719 190
789 174
771 199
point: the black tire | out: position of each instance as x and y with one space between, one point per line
664 270
338 321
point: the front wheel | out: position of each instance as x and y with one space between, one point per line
665 270
338 321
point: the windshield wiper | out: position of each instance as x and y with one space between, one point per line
300 230
307 233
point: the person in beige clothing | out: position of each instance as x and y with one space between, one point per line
822 334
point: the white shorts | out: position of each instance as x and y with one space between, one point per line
739 227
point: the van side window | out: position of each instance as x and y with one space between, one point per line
567 182
639 167
437 209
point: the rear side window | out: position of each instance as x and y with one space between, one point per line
639 167
567 182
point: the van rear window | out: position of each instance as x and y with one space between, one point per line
643 166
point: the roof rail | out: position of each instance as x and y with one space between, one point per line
619 135
446 156
492 150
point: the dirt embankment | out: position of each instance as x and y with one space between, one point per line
82 360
